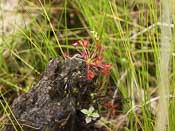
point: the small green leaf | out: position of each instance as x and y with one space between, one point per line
94 118
91 108
88 119
85 111
95 114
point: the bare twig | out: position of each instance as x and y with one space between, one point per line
136 107
151 27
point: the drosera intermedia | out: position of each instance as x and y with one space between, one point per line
93 58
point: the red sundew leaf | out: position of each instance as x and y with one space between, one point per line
105 71
106 68
84 43
100 57
87 67
84 55
98 60
98 46
109 105
76 44
90 75
109 66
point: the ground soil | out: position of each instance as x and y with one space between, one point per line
54 103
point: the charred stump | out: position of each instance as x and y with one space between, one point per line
54 103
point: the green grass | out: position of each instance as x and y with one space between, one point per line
132 40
